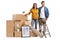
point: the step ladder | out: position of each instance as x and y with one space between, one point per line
48 33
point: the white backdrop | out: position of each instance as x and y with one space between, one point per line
9 7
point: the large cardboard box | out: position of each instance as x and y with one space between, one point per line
18 34
9 28
19 17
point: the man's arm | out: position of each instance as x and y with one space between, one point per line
39 12
47 12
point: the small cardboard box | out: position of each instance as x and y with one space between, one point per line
9 28
25 31
19 17
18 34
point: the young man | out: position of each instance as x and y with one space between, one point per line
43 16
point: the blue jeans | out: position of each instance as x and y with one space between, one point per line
34 21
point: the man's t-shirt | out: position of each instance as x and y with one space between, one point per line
42 14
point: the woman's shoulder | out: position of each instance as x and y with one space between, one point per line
37 9
33 9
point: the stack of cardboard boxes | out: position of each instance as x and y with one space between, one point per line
14 27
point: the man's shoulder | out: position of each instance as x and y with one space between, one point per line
46 7
40 7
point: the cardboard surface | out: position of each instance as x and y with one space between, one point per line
18 34
9 34
32 34
9 28
40 34
19 17
27 22
18 24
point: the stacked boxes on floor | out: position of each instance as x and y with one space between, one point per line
15 27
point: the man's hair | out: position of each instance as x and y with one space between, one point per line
42 2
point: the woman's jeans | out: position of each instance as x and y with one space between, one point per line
34 21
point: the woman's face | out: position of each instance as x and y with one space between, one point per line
35 5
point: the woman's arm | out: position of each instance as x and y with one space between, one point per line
28 13
38 13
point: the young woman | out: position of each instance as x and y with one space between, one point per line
34 12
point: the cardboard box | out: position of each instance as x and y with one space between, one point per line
19 17
18 34
25 31
32 34
40 34
27 22
9 28
18 24
9 34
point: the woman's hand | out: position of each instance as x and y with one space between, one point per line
25 14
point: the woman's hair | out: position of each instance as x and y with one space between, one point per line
34 4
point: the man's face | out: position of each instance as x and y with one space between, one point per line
43 4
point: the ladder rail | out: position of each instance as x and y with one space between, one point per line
47 31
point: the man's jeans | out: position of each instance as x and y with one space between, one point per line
34 21
42 21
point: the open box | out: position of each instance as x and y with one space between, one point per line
25 31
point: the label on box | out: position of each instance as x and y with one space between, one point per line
25 31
